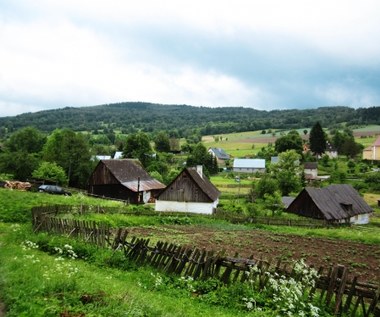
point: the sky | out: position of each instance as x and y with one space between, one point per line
263 54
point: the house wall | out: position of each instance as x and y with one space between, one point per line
116 191
102 175
184 189
360 219
193 207
372 154
248 170
312 172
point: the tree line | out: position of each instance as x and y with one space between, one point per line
184 120
68 158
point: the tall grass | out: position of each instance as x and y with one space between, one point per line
16 205
35 283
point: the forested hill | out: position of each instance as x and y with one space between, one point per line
148 117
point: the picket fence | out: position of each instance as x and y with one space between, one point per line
334 288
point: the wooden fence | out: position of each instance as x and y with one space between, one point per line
335 289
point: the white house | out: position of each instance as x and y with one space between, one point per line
249 165
191 192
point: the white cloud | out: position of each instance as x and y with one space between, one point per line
84 52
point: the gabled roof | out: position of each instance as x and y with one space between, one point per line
202 181
249 163
220 153
131 174
335 202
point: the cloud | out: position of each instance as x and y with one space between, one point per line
262 54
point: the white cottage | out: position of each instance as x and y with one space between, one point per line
190 191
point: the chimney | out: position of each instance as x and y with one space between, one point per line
200 170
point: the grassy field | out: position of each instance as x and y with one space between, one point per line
243 144
61 286
248 144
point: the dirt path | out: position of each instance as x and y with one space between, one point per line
363 260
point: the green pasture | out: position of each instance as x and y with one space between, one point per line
248 144
243 144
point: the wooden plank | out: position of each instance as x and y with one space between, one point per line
351 294
342 276
331 287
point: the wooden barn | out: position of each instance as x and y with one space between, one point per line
190 191
123 179
335 203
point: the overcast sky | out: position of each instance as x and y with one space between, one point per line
264 54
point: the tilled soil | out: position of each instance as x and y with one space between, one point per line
362 260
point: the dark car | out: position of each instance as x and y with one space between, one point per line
53 189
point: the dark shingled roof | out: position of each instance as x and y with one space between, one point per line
204 183
335 202
128 171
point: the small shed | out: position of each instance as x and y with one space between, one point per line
336 203
249 165
191 192
123 179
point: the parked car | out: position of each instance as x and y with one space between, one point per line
53 189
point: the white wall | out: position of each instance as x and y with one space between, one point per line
199 208
360 219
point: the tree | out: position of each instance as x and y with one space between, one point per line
288 172
200 156
71 151
51 171
291 141
266 185
22 153
161 141
317 140
19 164
137 145
345 143
27 140
267 152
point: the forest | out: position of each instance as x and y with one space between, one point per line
184 120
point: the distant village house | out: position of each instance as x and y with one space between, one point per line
221 156
249 165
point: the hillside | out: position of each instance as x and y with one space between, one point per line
132 116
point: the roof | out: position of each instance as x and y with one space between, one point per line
103 157
202 181
118 155
220 153
310 165
131 174
287 200
336 202
249 163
